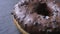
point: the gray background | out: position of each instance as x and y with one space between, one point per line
6 22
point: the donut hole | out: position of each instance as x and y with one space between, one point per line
42 9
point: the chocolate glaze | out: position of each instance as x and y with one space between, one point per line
38 16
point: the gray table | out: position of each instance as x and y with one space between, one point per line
6 22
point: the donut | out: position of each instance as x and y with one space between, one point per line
38 16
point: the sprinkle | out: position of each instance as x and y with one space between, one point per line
36 23
46 17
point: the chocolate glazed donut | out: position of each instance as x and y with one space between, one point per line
38 16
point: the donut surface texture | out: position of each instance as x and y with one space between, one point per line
38 16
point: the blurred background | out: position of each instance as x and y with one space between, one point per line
6 22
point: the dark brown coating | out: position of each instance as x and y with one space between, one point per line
37 16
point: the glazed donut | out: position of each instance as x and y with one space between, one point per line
38 16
